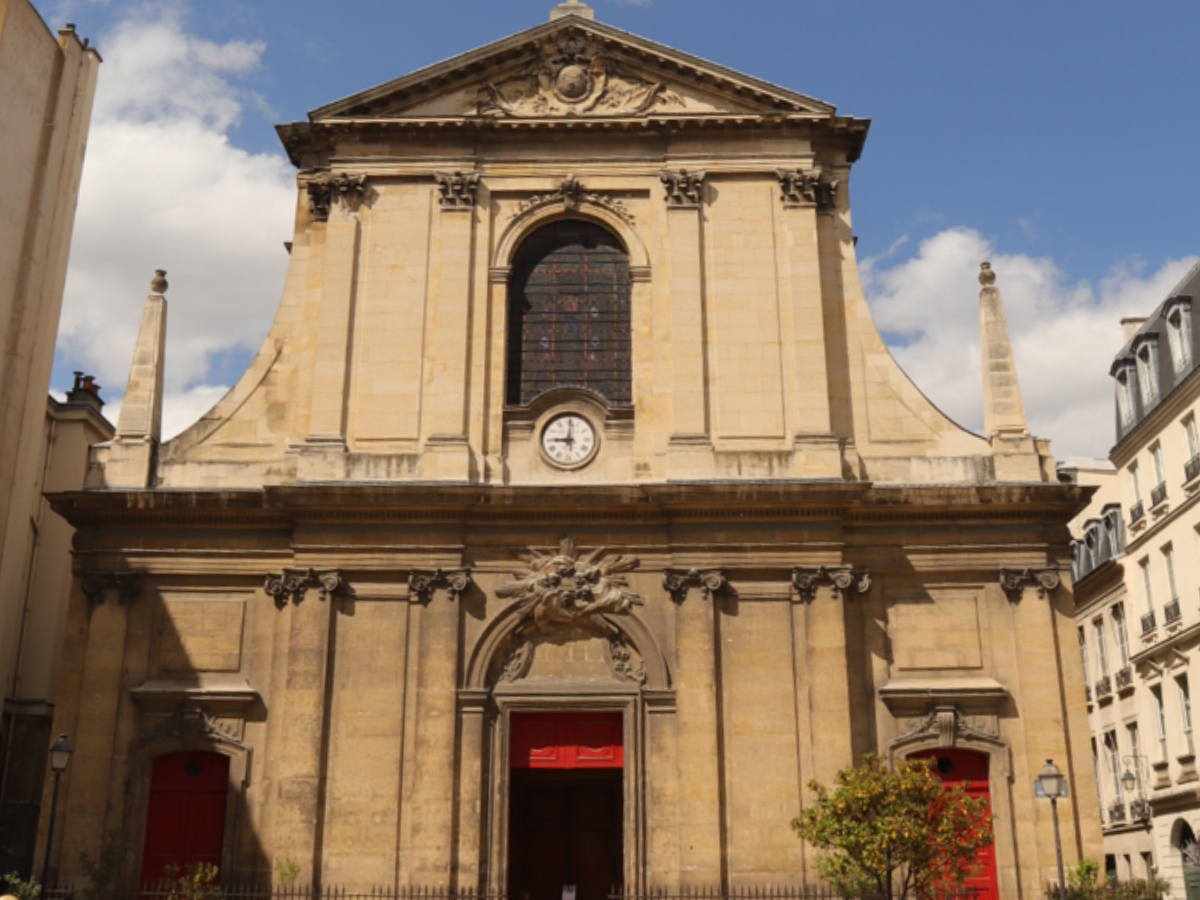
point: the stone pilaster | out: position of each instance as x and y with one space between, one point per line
427 811
448 456
689 365
701 855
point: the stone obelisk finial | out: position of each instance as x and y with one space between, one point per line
1003 410
139 428
572 8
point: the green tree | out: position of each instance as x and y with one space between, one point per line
19 888
894 832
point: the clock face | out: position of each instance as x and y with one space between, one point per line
569 440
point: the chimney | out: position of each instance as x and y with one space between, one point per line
85 392
1131 325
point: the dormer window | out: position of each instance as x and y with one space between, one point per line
1125 406
1179 332
1147 371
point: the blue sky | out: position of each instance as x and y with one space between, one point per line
1058 138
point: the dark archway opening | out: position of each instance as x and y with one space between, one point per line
566 805
185 818
569 318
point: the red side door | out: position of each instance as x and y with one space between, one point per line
185 821
969 770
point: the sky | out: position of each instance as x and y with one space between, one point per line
1057 140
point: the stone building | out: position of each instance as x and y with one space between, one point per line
572 517
1137 577
47 82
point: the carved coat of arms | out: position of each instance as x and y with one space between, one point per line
565 588
571 78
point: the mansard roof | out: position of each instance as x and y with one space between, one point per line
570 71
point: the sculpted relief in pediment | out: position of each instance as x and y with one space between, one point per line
571 77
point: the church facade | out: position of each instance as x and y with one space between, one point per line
571 520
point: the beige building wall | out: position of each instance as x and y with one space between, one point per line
1140 591
47 83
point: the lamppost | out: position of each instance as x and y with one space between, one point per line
60 754
1051 783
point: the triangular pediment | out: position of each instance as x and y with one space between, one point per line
573 68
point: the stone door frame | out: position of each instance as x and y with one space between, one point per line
565 697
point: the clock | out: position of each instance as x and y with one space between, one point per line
569 440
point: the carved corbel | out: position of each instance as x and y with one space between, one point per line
843 579
324 191
95 584
293 585
807 188
1014 582
457 190
685 189
422 583
677 583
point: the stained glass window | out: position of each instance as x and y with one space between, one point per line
568 314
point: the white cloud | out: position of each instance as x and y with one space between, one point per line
1064 333
163 187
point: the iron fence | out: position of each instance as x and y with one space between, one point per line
305 892
1138 889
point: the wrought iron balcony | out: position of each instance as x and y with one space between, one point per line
1139 809
1171 612
1191 468
1137 513
1148 622
1103 687
1116 813
1124 678
1159 494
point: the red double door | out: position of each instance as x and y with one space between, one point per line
185 822
566 805
969 770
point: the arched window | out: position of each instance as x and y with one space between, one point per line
568 314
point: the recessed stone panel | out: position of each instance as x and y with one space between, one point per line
938 629
199 634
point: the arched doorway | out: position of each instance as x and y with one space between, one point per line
569 318
969 770
566 805
1189 853
185 816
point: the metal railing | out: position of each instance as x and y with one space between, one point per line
1124 678
1159 494
1191 468
1141 889
1103 687
1172 612
1137 513
167 891
1116 813
1139 809
1148 622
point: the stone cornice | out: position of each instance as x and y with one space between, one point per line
848 503
319 138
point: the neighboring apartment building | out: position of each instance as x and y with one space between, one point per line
35 581
47 83
1137 589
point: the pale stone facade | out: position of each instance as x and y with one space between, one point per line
1136 564
47 82
775 556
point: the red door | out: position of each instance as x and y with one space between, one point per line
969 770
185 822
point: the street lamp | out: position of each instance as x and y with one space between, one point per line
60 755
1051 783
